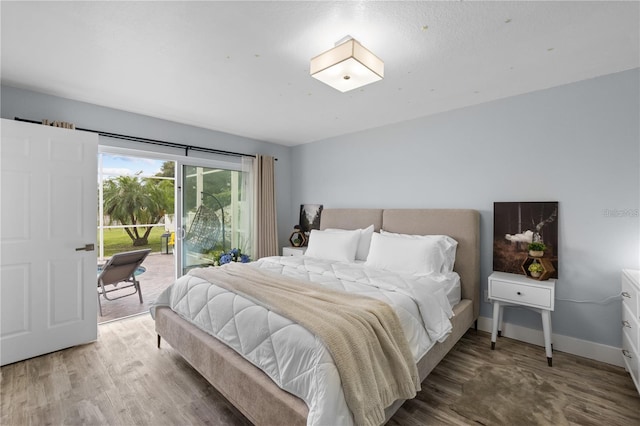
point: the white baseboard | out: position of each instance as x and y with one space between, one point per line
584 348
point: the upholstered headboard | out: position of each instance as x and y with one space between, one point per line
461 224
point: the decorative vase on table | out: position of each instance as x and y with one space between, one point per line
298 238
536 249
542 266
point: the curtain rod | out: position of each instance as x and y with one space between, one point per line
186 148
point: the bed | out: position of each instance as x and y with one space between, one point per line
254 393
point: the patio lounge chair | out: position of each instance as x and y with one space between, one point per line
120 268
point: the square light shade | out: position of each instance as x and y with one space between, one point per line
347 66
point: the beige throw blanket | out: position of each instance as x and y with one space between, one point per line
363 335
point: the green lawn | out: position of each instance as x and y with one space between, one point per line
117 240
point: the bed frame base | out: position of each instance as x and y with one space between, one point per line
249 389
245 386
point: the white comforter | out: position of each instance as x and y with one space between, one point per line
293 357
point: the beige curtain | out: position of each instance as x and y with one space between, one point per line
266 229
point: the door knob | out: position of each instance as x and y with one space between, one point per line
87 247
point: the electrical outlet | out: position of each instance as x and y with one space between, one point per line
485 295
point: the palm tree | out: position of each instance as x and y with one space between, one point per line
130 200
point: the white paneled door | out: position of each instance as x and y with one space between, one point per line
48 203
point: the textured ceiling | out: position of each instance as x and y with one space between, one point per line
243 67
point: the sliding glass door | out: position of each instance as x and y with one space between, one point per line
215 213
211 198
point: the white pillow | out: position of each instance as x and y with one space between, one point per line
402 255
340 246
363 243
442 255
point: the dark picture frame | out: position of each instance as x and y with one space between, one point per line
310 217
515 225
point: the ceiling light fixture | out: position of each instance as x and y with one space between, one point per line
347 66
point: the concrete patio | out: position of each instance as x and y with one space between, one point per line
159 274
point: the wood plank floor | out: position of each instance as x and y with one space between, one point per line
123 379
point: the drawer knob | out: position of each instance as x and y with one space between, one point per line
626 324
625 294
626 353
519 293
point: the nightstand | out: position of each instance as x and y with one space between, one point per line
293 251
518 290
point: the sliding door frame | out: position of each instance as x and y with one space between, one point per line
213 161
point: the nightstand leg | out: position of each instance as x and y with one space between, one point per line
546 328
500 321
494 328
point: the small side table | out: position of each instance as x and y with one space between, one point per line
517 290
293 251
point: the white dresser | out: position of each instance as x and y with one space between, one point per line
631 323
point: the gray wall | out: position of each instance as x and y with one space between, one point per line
36 106
577 144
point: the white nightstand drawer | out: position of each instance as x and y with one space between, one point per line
521 294
293 251
631 360
630 327
630 294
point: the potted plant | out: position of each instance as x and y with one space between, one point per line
297 238
536 249
536 269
